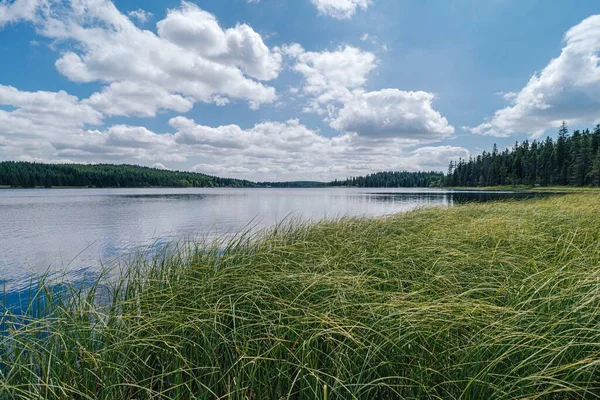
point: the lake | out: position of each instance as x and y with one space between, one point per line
73 231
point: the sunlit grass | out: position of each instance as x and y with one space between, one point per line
554 189
497 300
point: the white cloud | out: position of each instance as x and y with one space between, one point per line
140 15
161 166
33 120
508 96
334 84
119 143
340 9
393 113
432 157
374 40
52 109
266 138
330 76
190 56
344 68
289 150
36 130
568 88
19 10
199 31
137 99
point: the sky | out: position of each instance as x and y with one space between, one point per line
274 90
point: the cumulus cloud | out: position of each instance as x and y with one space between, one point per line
432 157
330 76
190 57
340 9
568 88
290 150
32 120
140 15
161 166
58 126
346 67
195 29
52 109
334 85
289 136
137 99
119 142
392 112
19 10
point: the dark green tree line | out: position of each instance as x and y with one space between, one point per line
25 174
570 160
394 179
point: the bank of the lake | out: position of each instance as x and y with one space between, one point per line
528 188
493 300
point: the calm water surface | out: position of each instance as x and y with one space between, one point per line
73 231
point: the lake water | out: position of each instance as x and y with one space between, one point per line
73 231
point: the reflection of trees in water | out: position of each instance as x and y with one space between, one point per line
413 198
451 198
166 196
484 197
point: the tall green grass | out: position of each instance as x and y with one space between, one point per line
497 300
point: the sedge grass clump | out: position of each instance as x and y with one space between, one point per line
497 300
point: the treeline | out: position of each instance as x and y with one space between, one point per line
570 160
26 174
394 179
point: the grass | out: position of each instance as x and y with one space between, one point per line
496 300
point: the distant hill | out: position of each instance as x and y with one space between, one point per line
26 174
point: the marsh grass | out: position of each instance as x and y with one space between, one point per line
497 300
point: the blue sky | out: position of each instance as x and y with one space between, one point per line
281 89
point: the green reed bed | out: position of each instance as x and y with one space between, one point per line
497 300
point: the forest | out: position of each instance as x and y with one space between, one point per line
30 175
26 174
570 160
394 179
